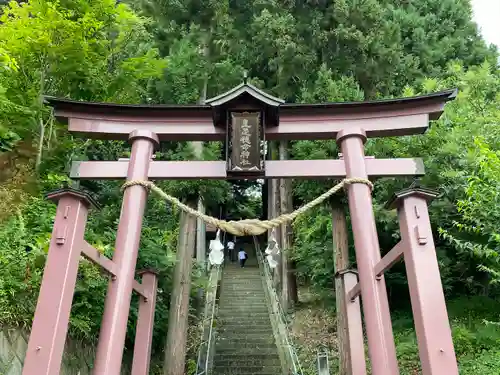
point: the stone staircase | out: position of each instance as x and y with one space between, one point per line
245 342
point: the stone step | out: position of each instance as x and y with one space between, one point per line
231 320
249 348
252 276
241 285
247 327
236 345
243 307
250 269
253 279
242 311
249 324
237 301
235 319
243 361
253 356
242 271
242 320
242 331
245 348
234 330
242 301
249 341
233 312
256 277
250 370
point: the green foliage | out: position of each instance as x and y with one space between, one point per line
89 50
476 343
311 252
481 192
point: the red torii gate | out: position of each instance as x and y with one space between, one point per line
225 118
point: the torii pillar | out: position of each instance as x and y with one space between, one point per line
374 293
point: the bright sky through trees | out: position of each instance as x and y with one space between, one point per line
487 16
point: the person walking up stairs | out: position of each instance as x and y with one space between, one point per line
245 343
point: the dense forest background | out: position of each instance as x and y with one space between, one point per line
169 51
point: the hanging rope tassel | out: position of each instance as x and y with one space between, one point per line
247 227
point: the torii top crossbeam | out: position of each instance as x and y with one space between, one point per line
380 118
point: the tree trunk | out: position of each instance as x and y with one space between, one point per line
293 294
284 232
41 123
201 230
270 192
341 262
175 351
277 274
200 225
292 283
265 200
289 282
40 143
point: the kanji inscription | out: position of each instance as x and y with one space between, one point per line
245 141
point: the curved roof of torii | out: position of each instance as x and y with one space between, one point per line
296 121
78 106
241 89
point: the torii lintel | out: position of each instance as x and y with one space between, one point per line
379 118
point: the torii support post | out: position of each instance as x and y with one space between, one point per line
381 347
432 326
354 344
145 322
341 264
116 309
50 323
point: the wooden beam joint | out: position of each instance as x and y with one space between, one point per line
354 292
389 259
92 254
